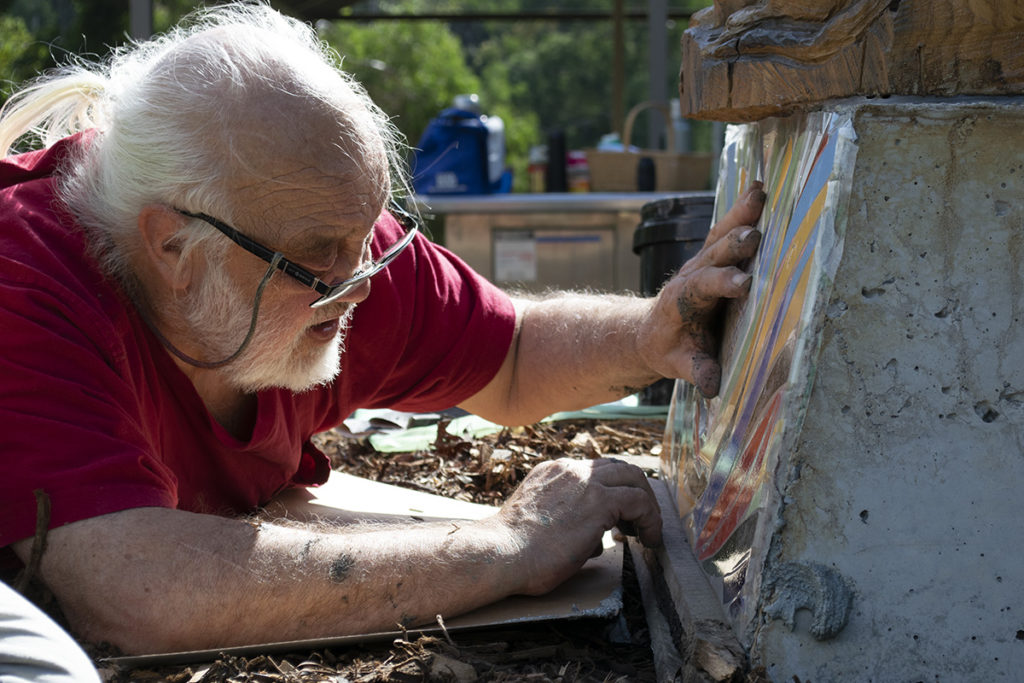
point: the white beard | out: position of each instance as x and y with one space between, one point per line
220 316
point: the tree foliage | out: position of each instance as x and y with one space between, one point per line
538 75
21 55
412 70
36 35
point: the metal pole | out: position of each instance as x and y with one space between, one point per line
140 19
657 55
618 69
309 13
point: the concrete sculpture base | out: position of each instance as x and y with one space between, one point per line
853 496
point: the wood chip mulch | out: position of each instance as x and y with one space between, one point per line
488 469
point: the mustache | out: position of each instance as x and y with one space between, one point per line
342 312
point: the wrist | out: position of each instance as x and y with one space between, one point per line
500 549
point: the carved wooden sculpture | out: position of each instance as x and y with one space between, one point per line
743 60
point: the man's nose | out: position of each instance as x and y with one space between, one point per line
359 293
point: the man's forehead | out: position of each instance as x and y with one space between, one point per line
311 202
267 173
287 136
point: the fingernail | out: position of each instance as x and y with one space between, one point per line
740 279
743 235
757 197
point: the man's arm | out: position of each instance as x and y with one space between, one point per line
158 580
572 351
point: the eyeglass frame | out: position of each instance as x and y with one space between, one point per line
328 293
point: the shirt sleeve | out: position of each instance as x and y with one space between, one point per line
71 421
67 427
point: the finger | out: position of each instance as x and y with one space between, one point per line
705 288
617 472
707 374
746 211
640 509
738 245
697 367
636 506
626 528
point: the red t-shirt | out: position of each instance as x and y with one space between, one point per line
94 411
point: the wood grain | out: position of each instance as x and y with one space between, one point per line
743 60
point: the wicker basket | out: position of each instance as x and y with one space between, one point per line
616 171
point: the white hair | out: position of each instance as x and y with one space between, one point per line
164 115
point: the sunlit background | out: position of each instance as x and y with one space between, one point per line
575 66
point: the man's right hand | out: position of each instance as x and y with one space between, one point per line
561 510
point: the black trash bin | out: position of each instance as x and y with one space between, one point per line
671 231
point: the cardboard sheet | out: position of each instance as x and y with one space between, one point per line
595 591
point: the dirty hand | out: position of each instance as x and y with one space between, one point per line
559 513
677 339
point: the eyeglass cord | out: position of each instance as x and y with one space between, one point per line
208 365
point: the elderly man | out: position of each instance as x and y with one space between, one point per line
200 269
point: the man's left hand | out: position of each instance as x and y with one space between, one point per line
678 339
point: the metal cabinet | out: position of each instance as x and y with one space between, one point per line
537 242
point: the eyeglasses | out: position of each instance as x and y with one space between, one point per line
328 293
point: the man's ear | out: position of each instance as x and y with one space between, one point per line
161 248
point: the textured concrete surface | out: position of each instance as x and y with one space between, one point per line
907 475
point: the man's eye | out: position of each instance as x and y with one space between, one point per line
318 261
323 260
323 269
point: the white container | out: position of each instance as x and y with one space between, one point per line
495 147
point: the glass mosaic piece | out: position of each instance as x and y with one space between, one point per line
720 454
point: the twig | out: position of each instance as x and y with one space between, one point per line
38 541
444 630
